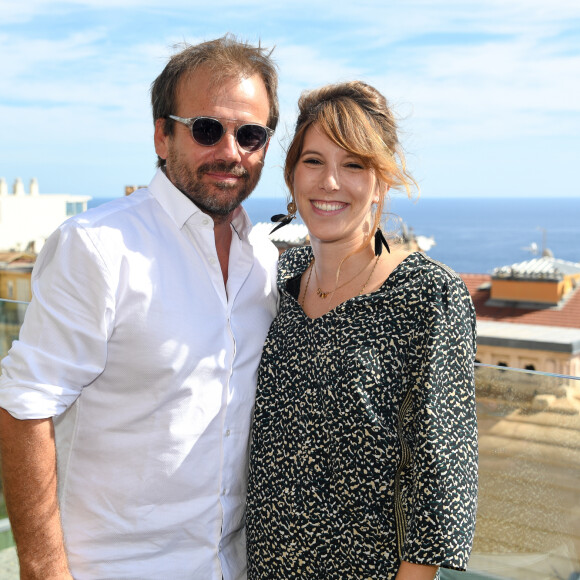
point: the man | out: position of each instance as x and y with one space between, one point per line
141 347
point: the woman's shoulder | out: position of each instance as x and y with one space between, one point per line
422 270
422 280
293 262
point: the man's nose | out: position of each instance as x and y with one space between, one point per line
227 149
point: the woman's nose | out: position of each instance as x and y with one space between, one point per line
330 182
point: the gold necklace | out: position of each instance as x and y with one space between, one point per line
307 284
311 267
321 293
370 276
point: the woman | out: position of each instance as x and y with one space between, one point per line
364 453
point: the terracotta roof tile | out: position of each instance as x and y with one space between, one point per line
567 316
17 258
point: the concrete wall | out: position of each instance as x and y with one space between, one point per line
32 218
15 284
528 290
520 358
528 521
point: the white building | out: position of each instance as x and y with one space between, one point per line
27 219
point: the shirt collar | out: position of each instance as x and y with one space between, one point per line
181 209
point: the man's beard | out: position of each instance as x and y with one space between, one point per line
216 199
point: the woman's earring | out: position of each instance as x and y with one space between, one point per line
380 241
284 219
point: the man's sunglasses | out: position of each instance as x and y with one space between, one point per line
208 131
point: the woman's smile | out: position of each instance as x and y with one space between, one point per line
328 206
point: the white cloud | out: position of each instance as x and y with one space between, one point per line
525 85
459 71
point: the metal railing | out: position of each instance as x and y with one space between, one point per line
528 522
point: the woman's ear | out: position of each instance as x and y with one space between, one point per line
381 191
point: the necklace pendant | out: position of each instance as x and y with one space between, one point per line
322 294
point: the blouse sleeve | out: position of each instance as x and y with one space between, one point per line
439 429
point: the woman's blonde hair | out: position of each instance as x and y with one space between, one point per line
356 117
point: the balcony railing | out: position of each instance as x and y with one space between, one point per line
11 317
528 521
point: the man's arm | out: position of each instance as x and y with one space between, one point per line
29 477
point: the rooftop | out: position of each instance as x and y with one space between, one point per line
529 336
565 314
287 236
17 258
544 268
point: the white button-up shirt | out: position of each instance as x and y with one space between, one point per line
148 363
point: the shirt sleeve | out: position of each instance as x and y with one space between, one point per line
62 345
440 430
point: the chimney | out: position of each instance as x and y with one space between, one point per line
18 187
34 186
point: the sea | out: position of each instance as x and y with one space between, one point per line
473 234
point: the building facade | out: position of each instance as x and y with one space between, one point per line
28 218
529 315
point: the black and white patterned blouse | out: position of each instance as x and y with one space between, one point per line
364 445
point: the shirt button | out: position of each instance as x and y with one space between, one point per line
227 433
212 260
205 221
224 491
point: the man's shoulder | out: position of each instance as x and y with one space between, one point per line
104 232
118 221
263 247
121 209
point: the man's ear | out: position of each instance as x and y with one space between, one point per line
160 139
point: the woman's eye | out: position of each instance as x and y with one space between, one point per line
311 161
354 165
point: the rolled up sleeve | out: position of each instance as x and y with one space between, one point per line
62 345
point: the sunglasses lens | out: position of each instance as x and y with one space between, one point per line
252 137
206 131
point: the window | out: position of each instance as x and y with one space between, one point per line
74 207
23 290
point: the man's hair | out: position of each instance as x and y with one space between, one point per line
226 58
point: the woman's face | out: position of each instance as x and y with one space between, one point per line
333 190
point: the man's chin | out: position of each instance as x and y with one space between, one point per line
220 210
229 186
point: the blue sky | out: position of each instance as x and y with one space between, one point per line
487 91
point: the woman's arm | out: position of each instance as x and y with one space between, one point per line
409 571
441 427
